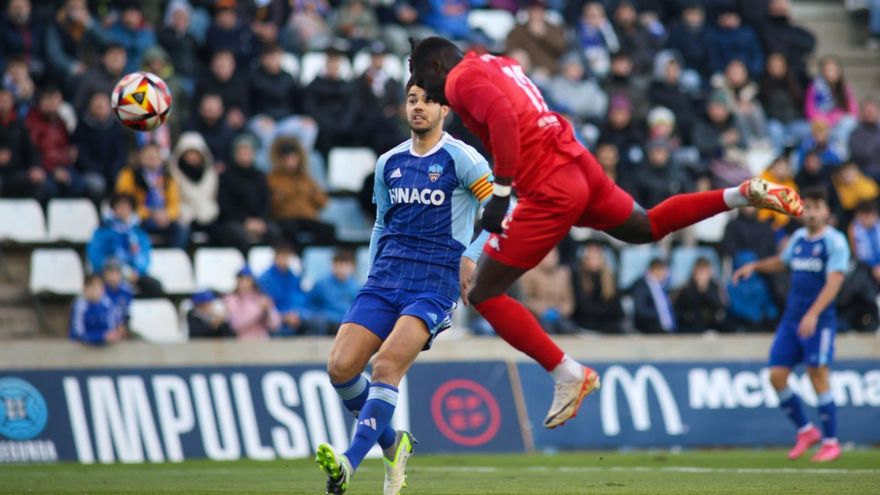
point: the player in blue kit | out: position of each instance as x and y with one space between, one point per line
427 192
818 257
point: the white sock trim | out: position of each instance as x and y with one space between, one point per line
734 199
829 441
568 370
807 427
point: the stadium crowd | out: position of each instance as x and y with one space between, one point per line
671 96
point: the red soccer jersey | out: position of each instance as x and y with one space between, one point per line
500 105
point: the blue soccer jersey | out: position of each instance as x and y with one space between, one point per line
810 261
426 206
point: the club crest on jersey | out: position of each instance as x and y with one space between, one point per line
434 172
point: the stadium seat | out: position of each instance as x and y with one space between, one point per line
56 271
318 169
290 65
317 264
183 324
22 221
496 24
346 215
313 64
173 268
72 220
260 258
216 268
348 167
391 64
682 261
155 320
362 262
711 230
634 261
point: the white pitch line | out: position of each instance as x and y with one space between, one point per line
643 469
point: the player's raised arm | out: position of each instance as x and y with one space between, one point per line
771 264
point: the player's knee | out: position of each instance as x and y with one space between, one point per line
779 378
386 370
480 294
342 368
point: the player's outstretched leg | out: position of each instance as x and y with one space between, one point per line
337 468
830 449
807 434
519 328
394 458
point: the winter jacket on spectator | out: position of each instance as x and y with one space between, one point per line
635 39
782 98
22 36
135 41
217 135
821 104
330 298
648 307
294 194
582 97
854 187
865 242
69 38
544 49
275 95
123 241
729 44
235 92
131 180
692 43
244 193
252 315
699 309
778 34
356 20
666 91
597 301
864 147
813 174
709 137
90 322
751 300
176 39
49 135
100 146
240 40
448 17
285 290
121 297
747 233
656 180
333 104
547 291
17 153
198 180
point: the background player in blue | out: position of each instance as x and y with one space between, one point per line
818 257
427 192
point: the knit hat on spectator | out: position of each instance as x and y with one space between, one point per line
620 102
378 48
660 115
245 138
245 272
719 96
203 297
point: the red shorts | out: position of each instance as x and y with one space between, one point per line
576 194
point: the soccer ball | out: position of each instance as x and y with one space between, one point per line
141 101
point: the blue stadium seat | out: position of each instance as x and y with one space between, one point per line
317 264
634 261
682 263
346 215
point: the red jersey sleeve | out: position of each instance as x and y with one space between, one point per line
472 91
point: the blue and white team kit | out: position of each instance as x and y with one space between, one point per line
426 206
810 260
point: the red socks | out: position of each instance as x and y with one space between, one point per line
516 325
684 210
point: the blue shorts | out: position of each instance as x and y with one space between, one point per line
379 309
789 349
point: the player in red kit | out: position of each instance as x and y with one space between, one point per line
559 185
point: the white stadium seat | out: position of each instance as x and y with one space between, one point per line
290 65
634 261
155 320
173 268
260 259
391 64
346 215
56 271
494 23
681 263
22 221
313 64
72 220
348 167
216 268
317 265
711 230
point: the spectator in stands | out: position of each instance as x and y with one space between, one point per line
158 62
380 97
864 237
284 287
689 38
118 289
332 102
356 21
597 303
94 319
751 304
778 34
717 132
782 96
157 195
100 144
864 142
623 81
581 96
56 176
547 292
120 238
207 319
742 98
69 38
17 80
699 305
244 200
813 174
544 41
653 310
659 178
233 89
17 153
331 297
274 93
821 142
295 198
670 91
132 32
192 167
228 33
22 36
101 79
209 123
608 157
778 172
831 99
621 130
449 17
252 315
596 38
853 187
634 39
177 40
308 28
747 233
731 40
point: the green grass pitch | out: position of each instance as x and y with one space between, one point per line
696 472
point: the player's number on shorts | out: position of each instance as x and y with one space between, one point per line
515 72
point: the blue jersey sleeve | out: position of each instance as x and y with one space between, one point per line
838 252
788 252
383 204
475 176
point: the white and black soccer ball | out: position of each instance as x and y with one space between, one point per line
141 101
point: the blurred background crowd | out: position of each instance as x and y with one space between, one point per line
671 96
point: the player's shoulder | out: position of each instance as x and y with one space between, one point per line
400 149
836 238
461 152
798 235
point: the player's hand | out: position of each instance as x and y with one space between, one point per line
466 276
494 213
808 325
743 273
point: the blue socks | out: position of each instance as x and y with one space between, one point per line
373 420
828 416
354 395
791 404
